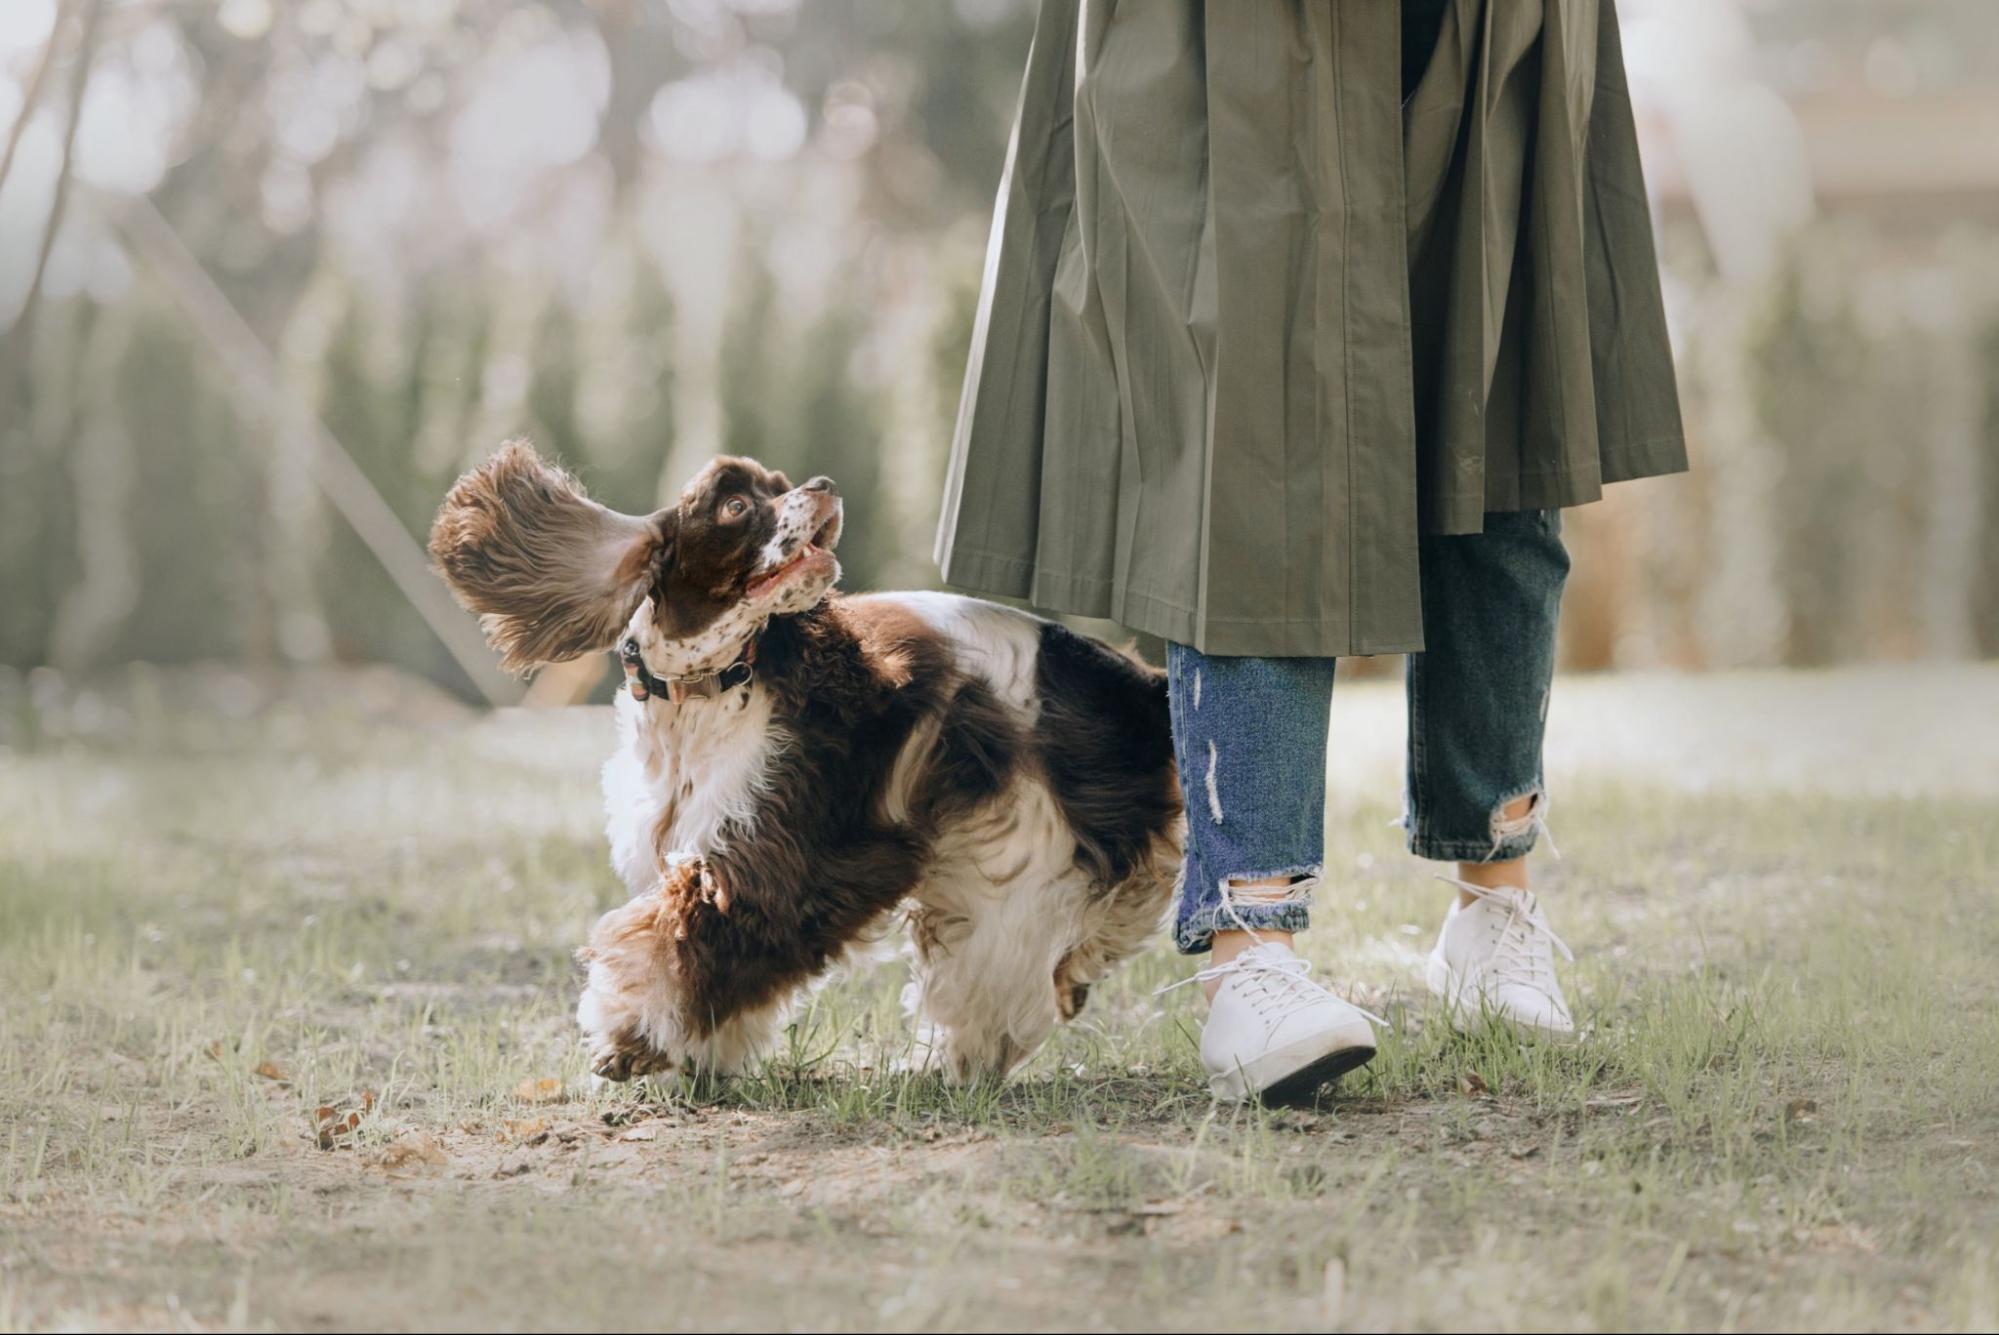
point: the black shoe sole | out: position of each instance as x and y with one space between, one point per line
1303 1084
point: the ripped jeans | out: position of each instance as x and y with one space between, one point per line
1250 734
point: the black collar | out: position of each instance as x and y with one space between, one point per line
644 685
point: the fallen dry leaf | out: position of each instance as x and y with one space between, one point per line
524 1128
545 1090
413 1151
330 1124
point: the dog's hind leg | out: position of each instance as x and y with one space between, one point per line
985 957
1117 924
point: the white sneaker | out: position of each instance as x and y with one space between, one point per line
1273 1034
1495 956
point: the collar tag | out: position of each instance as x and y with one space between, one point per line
644 685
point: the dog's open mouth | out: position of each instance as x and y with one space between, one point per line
815 553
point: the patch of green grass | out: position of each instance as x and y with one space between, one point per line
1782 1113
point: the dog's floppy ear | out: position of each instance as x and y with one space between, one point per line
552 574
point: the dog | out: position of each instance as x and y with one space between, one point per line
796 768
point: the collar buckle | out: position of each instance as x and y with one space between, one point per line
643 685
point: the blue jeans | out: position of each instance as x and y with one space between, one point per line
1250 734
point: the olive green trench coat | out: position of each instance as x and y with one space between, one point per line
1259 308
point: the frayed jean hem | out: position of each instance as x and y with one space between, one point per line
1196 936
1239 907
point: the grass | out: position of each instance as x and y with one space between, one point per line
1783 1115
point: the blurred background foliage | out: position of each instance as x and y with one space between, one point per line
643 231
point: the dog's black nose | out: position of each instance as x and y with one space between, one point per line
824 484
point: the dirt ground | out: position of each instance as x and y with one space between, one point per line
285 1043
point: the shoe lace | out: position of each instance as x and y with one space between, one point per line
1522 954
1275 984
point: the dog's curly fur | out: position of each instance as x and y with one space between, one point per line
1006 783
552 573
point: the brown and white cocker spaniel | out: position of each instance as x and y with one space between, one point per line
796 767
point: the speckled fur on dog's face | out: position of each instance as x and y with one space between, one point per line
553 575
743 545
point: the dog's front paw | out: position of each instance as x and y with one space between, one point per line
625 1055
640 999
630 1008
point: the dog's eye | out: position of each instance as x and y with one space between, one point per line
735 508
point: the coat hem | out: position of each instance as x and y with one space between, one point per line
996 575
1564 487
1654 456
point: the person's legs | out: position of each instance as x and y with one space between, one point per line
1478 693
1476 795
1250 738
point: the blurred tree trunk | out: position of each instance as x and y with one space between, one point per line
21 337
31 97
295 521
41 388
635 76
1985 563
1953 503
1743 616
103 473
513 321
1594 608
917 427
693 226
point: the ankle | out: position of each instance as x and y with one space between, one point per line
1510 875
1227 945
